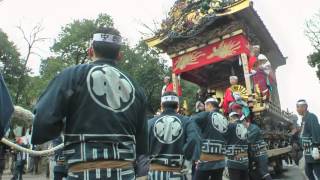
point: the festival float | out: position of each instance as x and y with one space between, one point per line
210 40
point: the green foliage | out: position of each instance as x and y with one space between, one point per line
142 63
314 61
13 66
148 69
29 95
73 41
313 33
50 67
189 91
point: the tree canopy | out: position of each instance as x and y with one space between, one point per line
13 66
313 33
74 38
140 62
143 64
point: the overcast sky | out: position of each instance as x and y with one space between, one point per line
284 19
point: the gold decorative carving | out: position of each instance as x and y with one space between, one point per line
188 59
224 49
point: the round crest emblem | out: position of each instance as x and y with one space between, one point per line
219 122
110 88
241 132
168 129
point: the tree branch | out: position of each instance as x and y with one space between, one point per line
312 31
31 40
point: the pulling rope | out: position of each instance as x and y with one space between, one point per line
29 151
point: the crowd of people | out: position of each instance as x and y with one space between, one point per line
99 113
218 141
16 161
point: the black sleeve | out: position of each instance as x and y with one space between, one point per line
315 130
142 165
142 136
192 147
6 107
227 135
253 133
51 109
201 119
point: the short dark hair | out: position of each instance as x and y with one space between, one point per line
105 49
214 104
170 104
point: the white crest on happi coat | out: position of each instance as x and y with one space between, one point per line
110 88
219 122
241 131
168 129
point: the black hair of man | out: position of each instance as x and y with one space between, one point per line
302 101
214 104
170 104
105 49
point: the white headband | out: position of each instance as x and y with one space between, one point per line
169 98
211 100
109 38
233 77
262 57
233 113
302 102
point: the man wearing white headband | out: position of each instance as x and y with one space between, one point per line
105 127
237 148
257 149
310 138
213 127
211 104
173 140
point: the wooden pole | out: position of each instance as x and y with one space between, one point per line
246 72
175 82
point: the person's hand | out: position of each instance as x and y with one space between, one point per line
294 131
315 153
187 166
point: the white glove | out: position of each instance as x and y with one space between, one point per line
315 153
187 166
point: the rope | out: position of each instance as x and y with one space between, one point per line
29 151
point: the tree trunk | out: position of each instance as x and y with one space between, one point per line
22 77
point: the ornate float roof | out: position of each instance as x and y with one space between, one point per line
188 18
191 24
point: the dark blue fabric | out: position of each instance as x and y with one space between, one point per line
6 107
186 145
162 175
215 174
213 141
105 174
58 155
312 170
258 152
310 137
101 111
235 146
